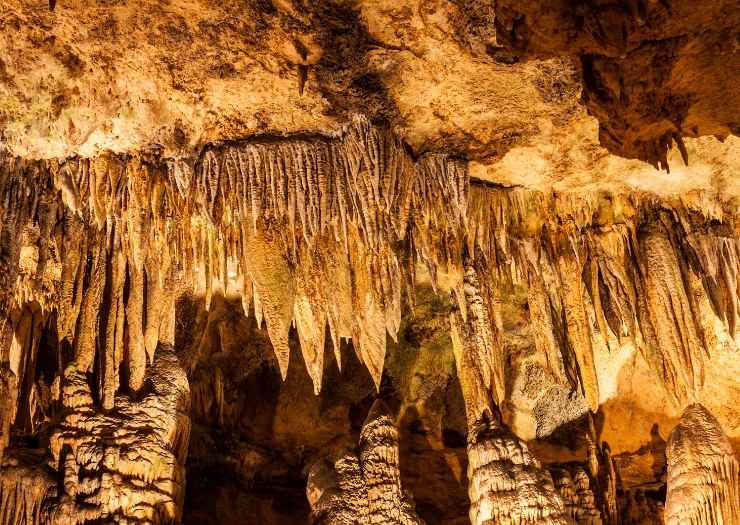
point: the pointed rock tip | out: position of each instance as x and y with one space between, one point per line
378 409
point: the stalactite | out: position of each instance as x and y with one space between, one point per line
136 353
578 328
703 473
672 315
85 341
540 316
295 217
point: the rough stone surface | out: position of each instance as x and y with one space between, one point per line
227 232
703 472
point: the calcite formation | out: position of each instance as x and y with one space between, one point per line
379 261
364 489
703 472
331 231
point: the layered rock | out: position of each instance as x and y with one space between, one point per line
364 489
703 472
124 466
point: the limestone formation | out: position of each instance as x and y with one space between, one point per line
703 472
227 229
364 489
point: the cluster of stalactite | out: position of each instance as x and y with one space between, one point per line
616 270
317 231
364 488
329 231
703 473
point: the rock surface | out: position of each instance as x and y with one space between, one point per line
703 472
245 234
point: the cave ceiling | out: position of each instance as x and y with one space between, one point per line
370 261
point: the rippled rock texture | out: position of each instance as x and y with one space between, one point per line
703 482
369 262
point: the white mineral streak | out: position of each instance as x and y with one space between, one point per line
703 473
364 490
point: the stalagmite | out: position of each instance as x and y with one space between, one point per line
127 464
608 482
574 486
26 491
379 461
350 491
506 483
8 395
336 492
703 473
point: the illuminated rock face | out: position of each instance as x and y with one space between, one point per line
228 230
557 298
703 472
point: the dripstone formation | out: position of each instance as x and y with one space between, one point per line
389 263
